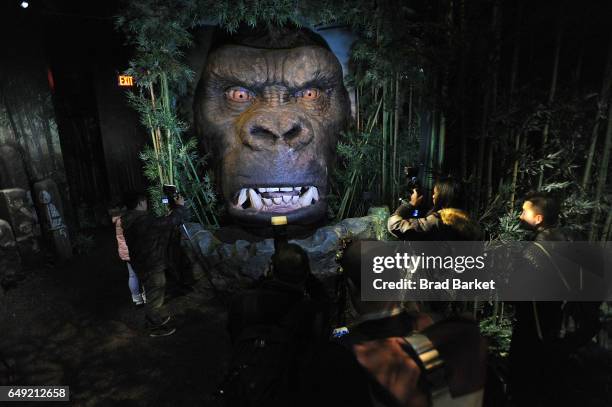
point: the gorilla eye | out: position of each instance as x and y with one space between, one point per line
309 94
239 95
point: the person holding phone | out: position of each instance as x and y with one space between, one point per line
148 238
445 221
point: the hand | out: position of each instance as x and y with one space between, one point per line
464 352
179 200
415 198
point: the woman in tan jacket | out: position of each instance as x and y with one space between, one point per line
445 221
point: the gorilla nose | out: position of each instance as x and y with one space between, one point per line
264 131
261 131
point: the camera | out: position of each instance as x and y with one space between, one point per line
412 174
169 194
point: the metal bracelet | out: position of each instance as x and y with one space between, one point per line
431 362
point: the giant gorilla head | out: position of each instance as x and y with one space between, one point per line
269 106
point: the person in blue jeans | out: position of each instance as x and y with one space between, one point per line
138 295
148 238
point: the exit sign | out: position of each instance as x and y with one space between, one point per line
126 80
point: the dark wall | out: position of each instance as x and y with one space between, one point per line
101 134
122 135
61 105
27 117
70 43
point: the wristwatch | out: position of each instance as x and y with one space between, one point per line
422 350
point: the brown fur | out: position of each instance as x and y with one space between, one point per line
461 222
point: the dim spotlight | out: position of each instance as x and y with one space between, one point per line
24 4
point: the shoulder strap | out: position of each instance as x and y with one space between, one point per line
561 276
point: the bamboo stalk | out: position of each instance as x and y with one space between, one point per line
157 142
357 107
395 136
347 194
551 96
517 144
410 112
490 172
603 172
441 140
603 98
155 148
607 227
165 104
385 135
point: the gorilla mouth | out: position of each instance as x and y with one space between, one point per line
276 199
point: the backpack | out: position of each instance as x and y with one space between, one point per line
580 319
263 369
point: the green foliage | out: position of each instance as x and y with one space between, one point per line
559 164
388 49
158 30
498 331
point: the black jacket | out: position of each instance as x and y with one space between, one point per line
272 301
543 319
147 237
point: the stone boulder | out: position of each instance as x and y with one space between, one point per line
232 265
10 261
17 209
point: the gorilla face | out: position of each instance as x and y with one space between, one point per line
271 117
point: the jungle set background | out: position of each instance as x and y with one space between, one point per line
508 96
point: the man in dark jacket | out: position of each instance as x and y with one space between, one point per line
290 283
540 347
273 329
147 238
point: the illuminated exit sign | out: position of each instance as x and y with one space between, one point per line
126 80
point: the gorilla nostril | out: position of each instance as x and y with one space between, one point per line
293 132
259 131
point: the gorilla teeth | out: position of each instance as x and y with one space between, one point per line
277 201
255 199
242 197
306 199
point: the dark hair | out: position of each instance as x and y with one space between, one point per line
547 205
351 261
132 199
449 193
267 36
291 264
